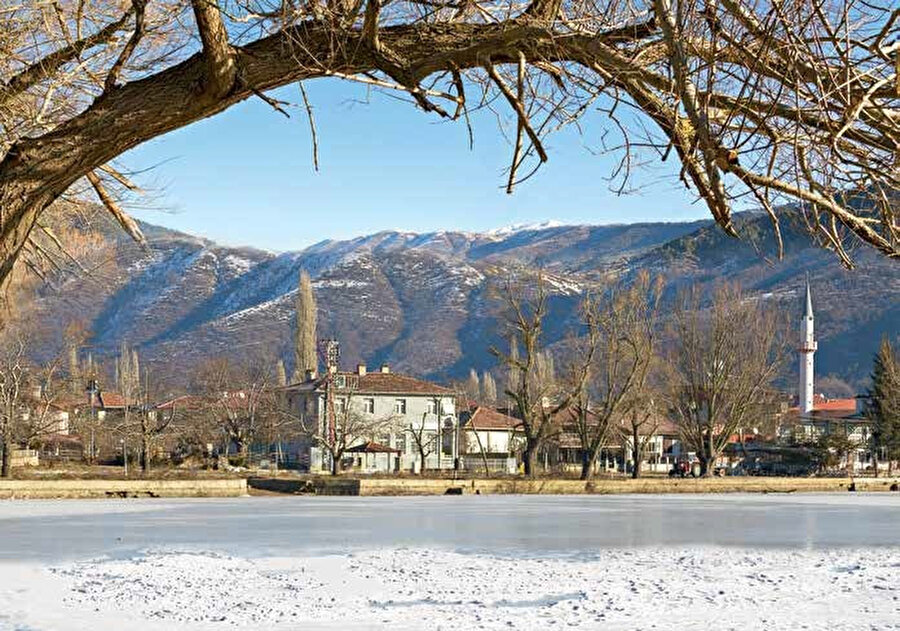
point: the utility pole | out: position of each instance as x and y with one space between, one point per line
330 351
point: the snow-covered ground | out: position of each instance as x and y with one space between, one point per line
414 588
274 571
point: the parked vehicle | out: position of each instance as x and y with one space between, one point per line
683 469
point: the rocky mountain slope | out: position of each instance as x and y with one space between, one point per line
422 302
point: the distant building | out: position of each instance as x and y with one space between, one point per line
398 409
815 416
807 351
489 438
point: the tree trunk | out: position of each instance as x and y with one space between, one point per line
335 464
707 464
145 453
635 452
529 458
588 459
7 457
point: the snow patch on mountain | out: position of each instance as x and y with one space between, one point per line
518 228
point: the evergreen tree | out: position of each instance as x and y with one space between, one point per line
305 332
883 407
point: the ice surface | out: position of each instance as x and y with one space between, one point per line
665 562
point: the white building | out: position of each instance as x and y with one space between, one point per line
807 351
816 416
391 415
490 440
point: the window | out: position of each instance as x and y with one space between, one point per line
369 406
430 407
340 405
400 406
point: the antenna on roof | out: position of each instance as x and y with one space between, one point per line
330 353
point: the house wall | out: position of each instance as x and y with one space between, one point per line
491 441
310 408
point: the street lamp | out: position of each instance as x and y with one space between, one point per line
93 390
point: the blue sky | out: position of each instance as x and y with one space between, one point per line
245 177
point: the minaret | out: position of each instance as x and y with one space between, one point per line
807 350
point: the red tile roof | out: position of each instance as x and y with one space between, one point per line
835 405
112 400
485 418
378 383
184 402
829 408
372 447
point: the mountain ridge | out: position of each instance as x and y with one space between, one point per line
421 302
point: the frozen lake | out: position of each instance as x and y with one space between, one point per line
54 530
488 562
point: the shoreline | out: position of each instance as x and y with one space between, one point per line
288 485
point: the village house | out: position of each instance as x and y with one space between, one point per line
391 416
662 446
490 440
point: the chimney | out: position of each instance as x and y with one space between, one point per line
385 369
361 370
310 374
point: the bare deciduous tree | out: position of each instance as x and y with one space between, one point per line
488 389
724 360
13 384
473 386
27 392
638 427
240 400
760 102
343 424
305 357
611 371
537 396
280 373
426 440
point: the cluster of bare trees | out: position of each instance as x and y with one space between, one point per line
707 366
27 391
793 102
481 387
124 414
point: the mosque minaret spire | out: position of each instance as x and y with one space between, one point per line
807 352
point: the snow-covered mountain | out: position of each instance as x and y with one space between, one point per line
421 301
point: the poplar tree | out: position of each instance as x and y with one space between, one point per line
280 373
473 386
305 331
488 388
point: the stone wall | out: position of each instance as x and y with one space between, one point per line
41 489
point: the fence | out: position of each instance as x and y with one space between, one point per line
475 464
